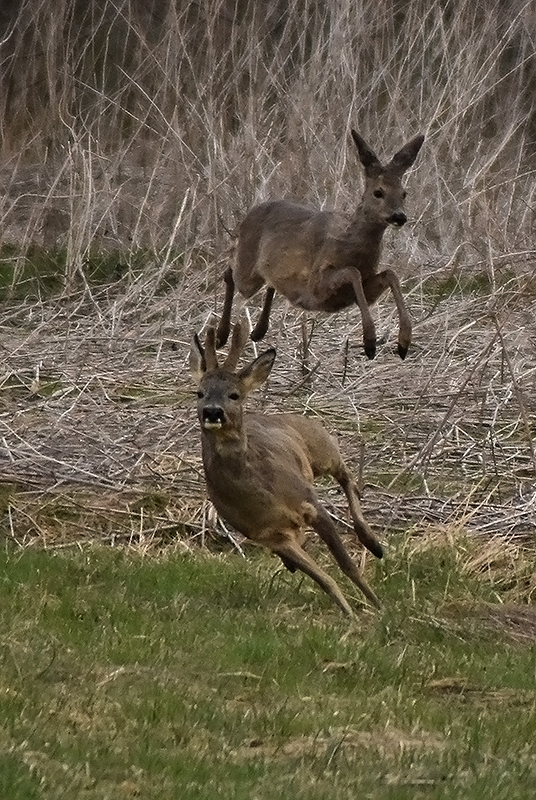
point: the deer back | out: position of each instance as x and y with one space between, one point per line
283 243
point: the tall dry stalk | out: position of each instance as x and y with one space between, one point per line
144 129
116 113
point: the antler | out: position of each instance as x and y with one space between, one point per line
240 335
208 352
209 358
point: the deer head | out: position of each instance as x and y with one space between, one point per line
384 194
221 391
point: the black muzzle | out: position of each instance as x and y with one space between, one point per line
397 219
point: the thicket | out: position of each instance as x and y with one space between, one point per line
156 123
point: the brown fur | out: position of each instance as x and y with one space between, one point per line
259 468
324 260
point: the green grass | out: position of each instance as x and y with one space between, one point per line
200 676
35 272
467 283
38 271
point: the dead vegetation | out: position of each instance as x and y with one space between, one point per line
158 155
99 436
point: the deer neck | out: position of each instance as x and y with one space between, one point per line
362 227
361 239
224 451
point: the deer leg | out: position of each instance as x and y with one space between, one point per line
369 331
291 553
260 329
374 287
326 530
329 282
364 534
290 565
224 326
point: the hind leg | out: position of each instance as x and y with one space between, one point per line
247 284
326 459
288 563
261 328
326 530
364 534
224 325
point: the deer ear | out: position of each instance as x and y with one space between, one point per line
405 157
368 157
198 364
257 372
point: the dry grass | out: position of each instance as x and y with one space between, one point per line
99 437
132 127
150 124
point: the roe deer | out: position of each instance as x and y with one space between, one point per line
259 468
324 260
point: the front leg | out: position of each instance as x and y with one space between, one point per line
374 287
291 553
328 282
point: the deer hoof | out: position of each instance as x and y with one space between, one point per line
258 333
375 548
370 350
402 351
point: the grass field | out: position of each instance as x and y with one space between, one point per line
141 655
203 676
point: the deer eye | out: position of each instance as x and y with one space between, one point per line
404 195
200 394
378 193
234 396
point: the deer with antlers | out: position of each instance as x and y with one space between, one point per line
259 468
324 260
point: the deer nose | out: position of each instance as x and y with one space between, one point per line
212 416
398 219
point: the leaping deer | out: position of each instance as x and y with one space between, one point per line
259 468
324 260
